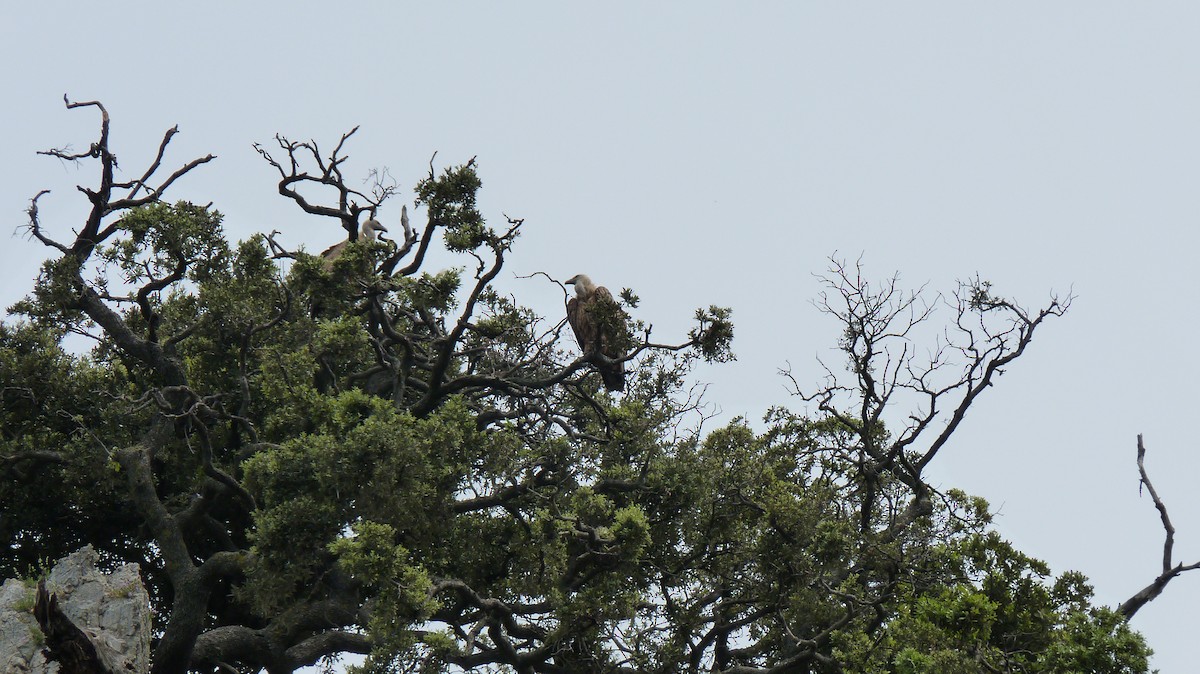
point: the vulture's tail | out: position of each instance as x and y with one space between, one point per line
613 376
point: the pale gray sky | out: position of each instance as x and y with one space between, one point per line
707 153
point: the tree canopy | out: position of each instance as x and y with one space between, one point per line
383 458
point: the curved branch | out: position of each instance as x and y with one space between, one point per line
309 651
35 226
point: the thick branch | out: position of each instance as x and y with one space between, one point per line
188 609
309 651
425 238
149 353
35 458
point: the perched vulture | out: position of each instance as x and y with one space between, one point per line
600 325
369 232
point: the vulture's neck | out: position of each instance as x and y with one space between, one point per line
584 289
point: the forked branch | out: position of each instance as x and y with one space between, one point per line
294 176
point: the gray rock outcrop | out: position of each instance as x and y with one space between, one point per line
113 610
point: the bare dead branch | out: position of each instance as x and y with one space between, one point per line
156 193
328 174
1169 569
35 228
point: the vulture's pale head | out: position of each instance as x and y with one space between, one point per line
583 284
371 229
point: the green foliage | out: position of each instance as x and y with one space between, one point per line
53 299
434 291
49 404
1007 616
363 462
37 636
451 199
26 602
402 589
612 322
160 240
714 334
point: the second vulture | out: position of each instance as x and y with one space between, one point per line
369 232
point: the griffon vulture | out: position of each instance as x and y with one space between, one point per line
369 232
599 324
